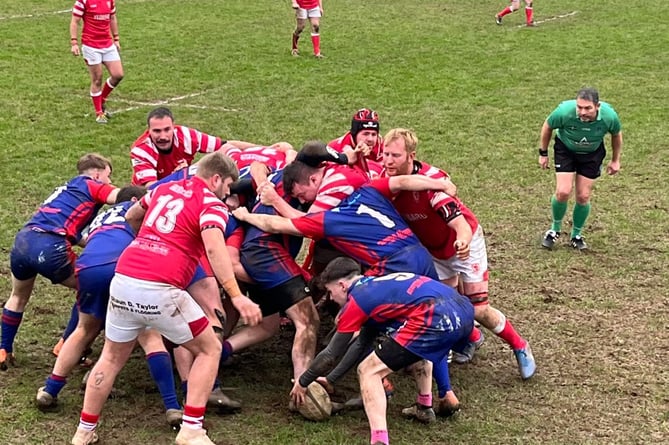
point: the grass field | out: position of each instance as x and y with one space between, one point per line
476 94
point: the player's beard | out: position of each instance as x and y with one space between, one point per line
167 150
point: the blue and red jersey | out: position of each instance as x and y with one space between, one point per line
71 207
428 317
109 234
367 228
269 258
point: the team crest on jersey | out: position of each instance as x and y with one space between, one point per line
476 268
416 196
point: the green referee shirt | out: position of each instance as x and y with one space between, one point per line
579 136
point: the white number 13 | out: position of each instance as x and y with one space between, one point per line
164 213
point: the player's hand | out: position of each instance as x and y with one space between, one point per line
363 149
75 50
262 186
249 312
298 394
180 166
543 162
325 384
241 213
461 249
449 188
613 167
268 196
351 154
118 45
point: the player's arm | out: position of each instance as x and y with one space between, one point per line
544 142
617 148
135 215
417 183
217 253
113 25
267 223
111 198
324 361
354 355
74 32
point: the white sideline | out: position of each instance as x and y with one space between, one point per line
62 11
550 19
174 101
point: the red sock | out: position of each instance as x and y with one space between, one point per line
97 101
316 41
296 37
506 11
528 14
106 89
475 335
510 336
88 422
193 417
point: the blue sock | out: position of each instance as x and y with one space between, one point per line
72 324
160 366
227 351
440 374
54 383
184 389
10 326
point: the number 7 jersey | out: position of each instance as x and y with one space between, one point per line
169 244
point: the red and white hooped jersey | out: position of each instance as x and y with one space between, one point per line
96 15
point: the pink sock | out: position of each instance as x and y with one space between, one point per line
379 436
424 399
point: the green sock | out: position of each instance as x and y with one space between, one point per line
581 212
558 209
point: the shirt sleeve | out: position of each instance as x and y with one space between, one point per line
144 164
352 317
311 225
383 186
99 191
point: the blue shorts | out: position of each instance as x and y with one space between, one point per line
433 341
93 289
269 263
47 254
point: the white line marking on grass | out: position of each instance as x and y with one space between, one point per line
173 101
550 19
39 14
62 11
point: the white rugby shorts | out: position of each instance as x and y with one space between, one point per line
472 270
95 56
135 305
308 13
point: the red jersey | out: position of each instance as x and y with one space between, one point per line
370 164
169 243
308 4
339 181
423 211
271 157
150 164
96 15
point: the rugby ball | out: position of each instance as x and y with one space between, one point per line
317 405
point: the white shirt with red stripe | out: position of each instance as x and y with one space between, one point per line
169 244
421 211
269 156
339 181
150 164
96 15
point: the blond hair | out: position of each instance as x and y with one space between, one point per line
406 135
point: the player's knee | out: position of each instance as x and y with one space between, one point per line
298 29
315 27
562 194
117 77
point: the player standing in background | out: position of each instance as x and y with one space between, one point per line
44 245
579 151
313 10
184 220
100 46
428 320
165 147
515 6
363 137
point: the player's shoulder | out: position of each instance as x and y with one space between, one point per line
607 111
